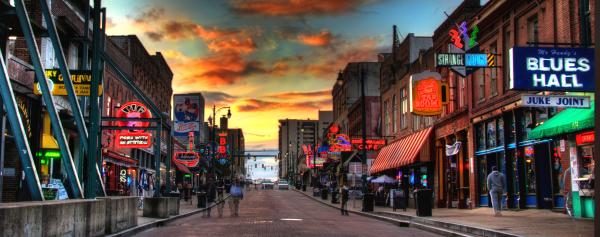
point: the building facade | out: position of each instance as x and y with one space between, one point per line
293 134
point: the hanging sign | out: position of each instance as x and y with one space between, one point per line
189 159
222 149
560 101
426 93
471 60
453 149
81 80
551 69
133 110
134 140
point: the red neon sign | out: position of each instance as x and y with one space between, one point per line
371 144
427 96
133 140
187 158
222 149
133 110
585 138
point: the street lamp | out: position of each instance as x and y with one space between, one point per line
213 121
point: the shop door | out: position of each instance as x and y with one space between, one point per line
544 179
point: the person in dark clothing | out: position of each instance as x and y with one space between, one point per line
345 193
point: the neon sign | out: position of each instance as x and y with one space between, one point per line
551 69
310 160
426 94
187 158
134 140
463 31
133 110
222 149
371 144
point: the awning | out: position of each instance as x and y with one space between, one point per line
182 168
400 153
568 121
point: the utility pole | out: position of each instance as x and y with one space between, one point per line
364 138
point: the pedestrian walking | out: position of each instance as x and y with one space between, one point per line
496 183
345 193
237 194
220 201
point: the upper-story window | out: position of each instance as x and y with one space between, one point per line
505 47
478 78
394 112
386 119
462 91
403 108
493 73
533 29
585 26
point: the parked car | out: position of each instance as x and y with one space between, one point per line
283 185
267 184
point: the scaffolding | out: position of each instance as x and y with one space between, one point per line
89 141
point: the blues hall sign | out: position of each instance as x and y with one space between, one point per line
551 69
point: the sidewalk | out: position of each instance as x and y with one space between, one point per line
480 222
185 209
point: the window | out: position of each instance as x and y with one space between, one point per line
416 121
386 119
505 46
491 134
394 112
480 80
404 108
585 26
462 91
532 29
493 73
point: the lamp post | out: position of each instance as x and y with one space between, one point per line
364 139
213 121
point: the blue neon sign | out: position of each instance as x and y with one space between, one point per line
476 60
552 69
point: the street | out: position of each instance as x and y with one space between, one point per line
282 213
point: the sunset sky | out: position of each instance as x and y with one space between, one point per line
268 59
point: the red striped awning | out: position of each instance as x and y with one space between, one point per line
400 153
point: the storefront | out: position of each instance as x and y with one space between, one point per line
573 136
409 160
120 174
502 140
452 163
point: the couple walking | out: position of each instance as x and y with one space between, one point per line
236 193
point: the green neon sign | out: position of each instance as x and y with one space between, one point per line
52 154
187 175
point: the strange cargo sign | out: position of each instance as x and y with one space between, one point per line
187 158
551 69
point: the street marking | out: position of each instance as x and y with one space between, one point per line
290 219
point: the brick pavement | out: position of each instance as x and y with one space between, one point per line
281 213
531 222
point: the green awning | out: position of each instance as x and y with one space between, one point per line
568 121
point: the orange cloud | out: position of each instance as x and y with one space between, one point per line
255 105
322 38
310 95
295 7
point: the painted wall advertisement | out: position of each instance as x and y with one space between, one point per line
187 115
551 69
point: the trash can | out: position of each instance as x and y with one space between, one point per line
201 199
334 197
324 193
368 202
423 201
304 188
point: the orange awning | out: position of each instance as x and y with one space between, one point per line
400 153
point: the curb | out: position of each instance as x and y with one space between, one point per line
434 226
159 223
